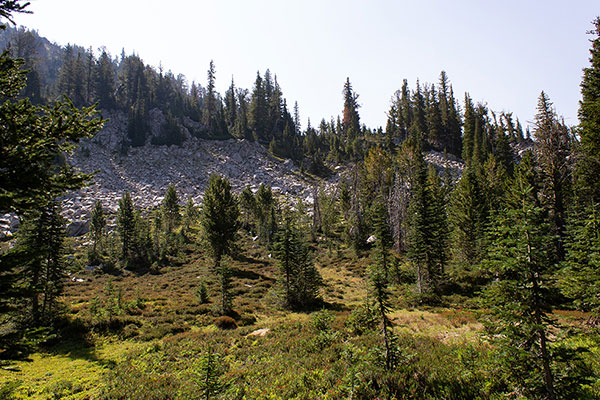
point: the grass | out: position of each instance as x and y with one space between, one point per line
150 346
71 370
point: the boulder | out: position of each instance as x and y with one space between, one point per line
78 228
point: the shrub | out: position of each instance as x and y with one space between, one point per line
363 318
225 322
202 293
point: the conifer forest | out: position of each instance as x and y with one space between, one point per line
453 253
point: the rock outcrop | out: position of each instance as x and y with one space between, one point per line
147 171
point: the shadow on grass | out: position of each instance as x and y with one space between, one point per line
249 260
71 340
68 338
244 274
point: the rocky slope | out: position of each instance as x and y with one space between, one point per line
147 171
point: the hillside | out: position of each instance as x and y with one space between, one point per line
160 240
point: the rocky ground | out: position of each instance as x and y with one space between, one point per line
147 171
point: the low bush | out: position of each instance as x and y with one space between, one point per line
225 322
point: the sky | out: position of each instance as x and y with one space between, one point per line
504 53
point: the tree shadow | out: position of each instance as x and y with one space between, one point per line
245 274
244 258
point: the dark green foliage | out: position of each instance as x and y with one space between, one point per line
170 132
351 119
247 208
202 292
450 116
210 102
381 296
264 212
553 149
580 275
105 82
225 305
363 318
41 243
170 210
383 236
207 377
219 218
126 226
427 233
588 164
419 123
97 225
137 127
257 112
434 136
31 140
300 278
136 248
141 255
190 216
520 257
468 217
330 215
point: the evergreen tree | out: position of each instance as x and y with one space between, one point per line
301 279
265 213
580 274
207 375
97 225
226 304
190 215
377 175
41 239
71 82
588 164
126 226
418 234
553 148
26 45
242 129
231 107
468 130
141 254
435 129
105 82
383 236
137 126
247 208
520 257
329 215
32 137
439 224
257 112
468 217
451 132
405 111
419 124
381 296
210 101
427 233
170 209
351 119
219 218
297 124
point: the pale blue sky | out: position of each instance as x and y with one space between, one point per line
502 52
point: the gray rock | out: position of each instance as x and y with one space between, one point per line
78 228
